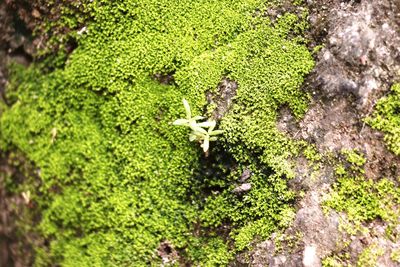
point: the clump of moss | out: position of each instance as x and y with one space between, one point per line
354 157
369 256
117 178
363 200
386 118
256 213
335 260
395 255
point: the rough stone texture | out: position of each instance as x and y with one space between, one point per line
310 257
361 55
319 231
15 249
264 255
222 98
336 124
357 65
320 235
361 49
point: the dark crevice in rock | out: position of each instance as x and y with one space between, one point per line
165 78
222 99
15 41
16 244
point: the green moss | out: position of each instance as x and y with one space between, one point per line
333 261
386 118
269 69
311 153
369 256
108 177
256 213
117 178
354 158
363 200
353 162
211 251
395 255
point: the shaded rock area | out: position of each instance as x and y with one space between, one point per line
361 55
354 35
39 25
14 41
223 98
317 235
358 62
16 45
167 253
16 213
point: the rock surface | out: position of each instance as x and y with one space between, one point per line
359 61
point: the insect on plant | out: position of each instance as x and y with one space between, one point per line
203 132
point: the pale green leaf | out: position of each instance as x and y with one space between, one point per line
195 128
192 137
212 126
216 132
181 122
206 145
187 109
206 124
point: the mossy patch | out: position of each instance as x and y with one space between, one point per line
395 255
369 256
363 201
386 118
335 261
117 178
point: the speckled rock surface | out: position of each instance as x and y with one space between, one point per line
358 62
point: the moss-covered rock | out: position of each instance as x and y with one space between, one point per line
363 203
386 118
117 178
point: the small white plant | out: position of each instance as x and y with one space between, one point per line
199 132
